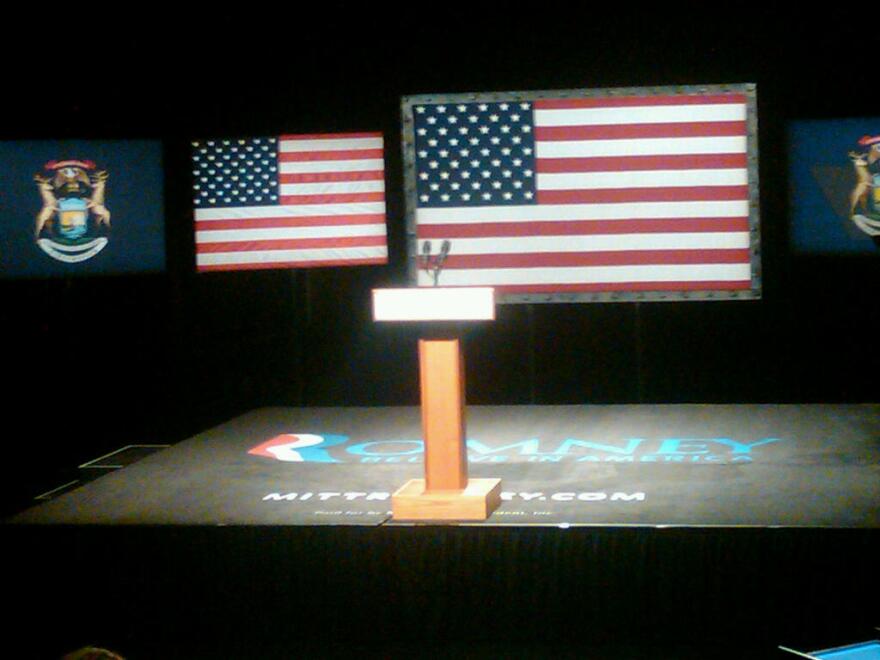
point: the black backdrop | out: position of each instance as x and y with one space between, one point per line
94 364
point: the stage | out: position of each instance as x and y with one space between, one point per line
674 531
672 465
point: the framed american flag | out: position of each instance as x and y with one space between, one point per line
585 195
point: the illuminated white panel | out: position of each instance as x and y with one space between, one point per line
434 304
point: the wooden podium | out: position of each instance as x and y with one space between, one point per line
446 492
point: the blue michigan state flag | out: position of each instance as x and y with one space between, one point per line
81 207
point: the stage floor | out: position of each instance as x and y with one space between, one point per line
643 465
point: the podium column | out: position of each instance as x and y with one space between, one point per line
441 375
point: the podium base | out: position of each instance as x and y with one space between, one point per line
475 502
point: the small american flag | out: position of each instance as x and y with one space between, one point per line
632 193
294 201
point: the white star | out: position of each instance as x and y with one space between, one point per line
465 174
517 162
496 162
485 174
433 164
461 108
421 131
445 197
464 153
442 131
452 119
527 151
483 107
496 185
453 164
474 141
423 176
466 197
441 108
517 184
528 194
487 196
434 186
423 154
495 139
473 119
443 153
493 118
453 142
444 175
514 117
475 164
432 120
476 185
526 128
420 109
507 174
484 129
455 185
516 139
524 106
527 173
504 107
464 130
424 198
485 152
505 129
432 143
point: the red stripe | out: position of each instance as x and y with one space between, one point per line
331 177
337 198
639 131
633 101
616 195
295 264
637 163
583 228
306 221
348 154
608 258
660 287
328 136
291 244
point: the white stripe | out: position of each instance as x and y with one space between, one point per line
286 233
332 187
289 211
553 212
641 147
290 256
291 145
316 166
647 114
647 179
597 243
591 275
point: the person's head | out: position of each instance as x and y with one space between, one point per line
92 653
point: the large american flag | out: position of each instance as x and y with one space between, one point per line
624 193
289 202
